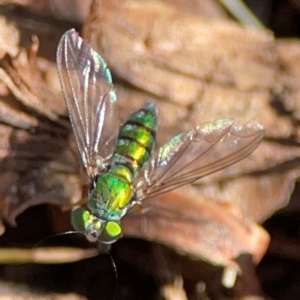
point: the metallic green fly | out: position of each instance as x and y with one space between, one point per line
121 163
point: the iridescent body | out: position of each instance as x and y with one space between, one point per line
121 163
113 191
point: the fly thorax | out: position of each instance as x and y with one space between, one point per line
112 193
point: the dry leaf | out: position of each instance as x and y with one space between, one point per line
198 226
189 66
36 160
71 10
55 255
174 291
12 291
194 65
214 60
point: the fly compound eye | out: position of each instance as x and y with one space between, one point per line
111 232
79 219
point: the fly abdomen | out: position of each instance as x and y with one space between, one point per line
136 139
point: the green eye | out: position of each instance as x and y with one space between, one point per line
84 221
79 218
111 232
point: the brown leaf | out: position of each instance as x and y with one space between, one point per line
36 161
9 38
174 291
209 8
289 53
198 226
14 73
198 64
54 255
204 69
189 66
19 291
70 10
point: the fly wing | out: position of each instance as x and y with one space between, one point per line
90 96
189 156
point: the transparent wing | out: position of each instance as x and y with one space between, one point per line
195 154
90 96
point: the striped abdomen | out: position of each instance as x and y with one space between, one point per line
136 139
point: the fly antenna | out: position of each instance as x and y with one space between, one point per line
116 274
55 235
